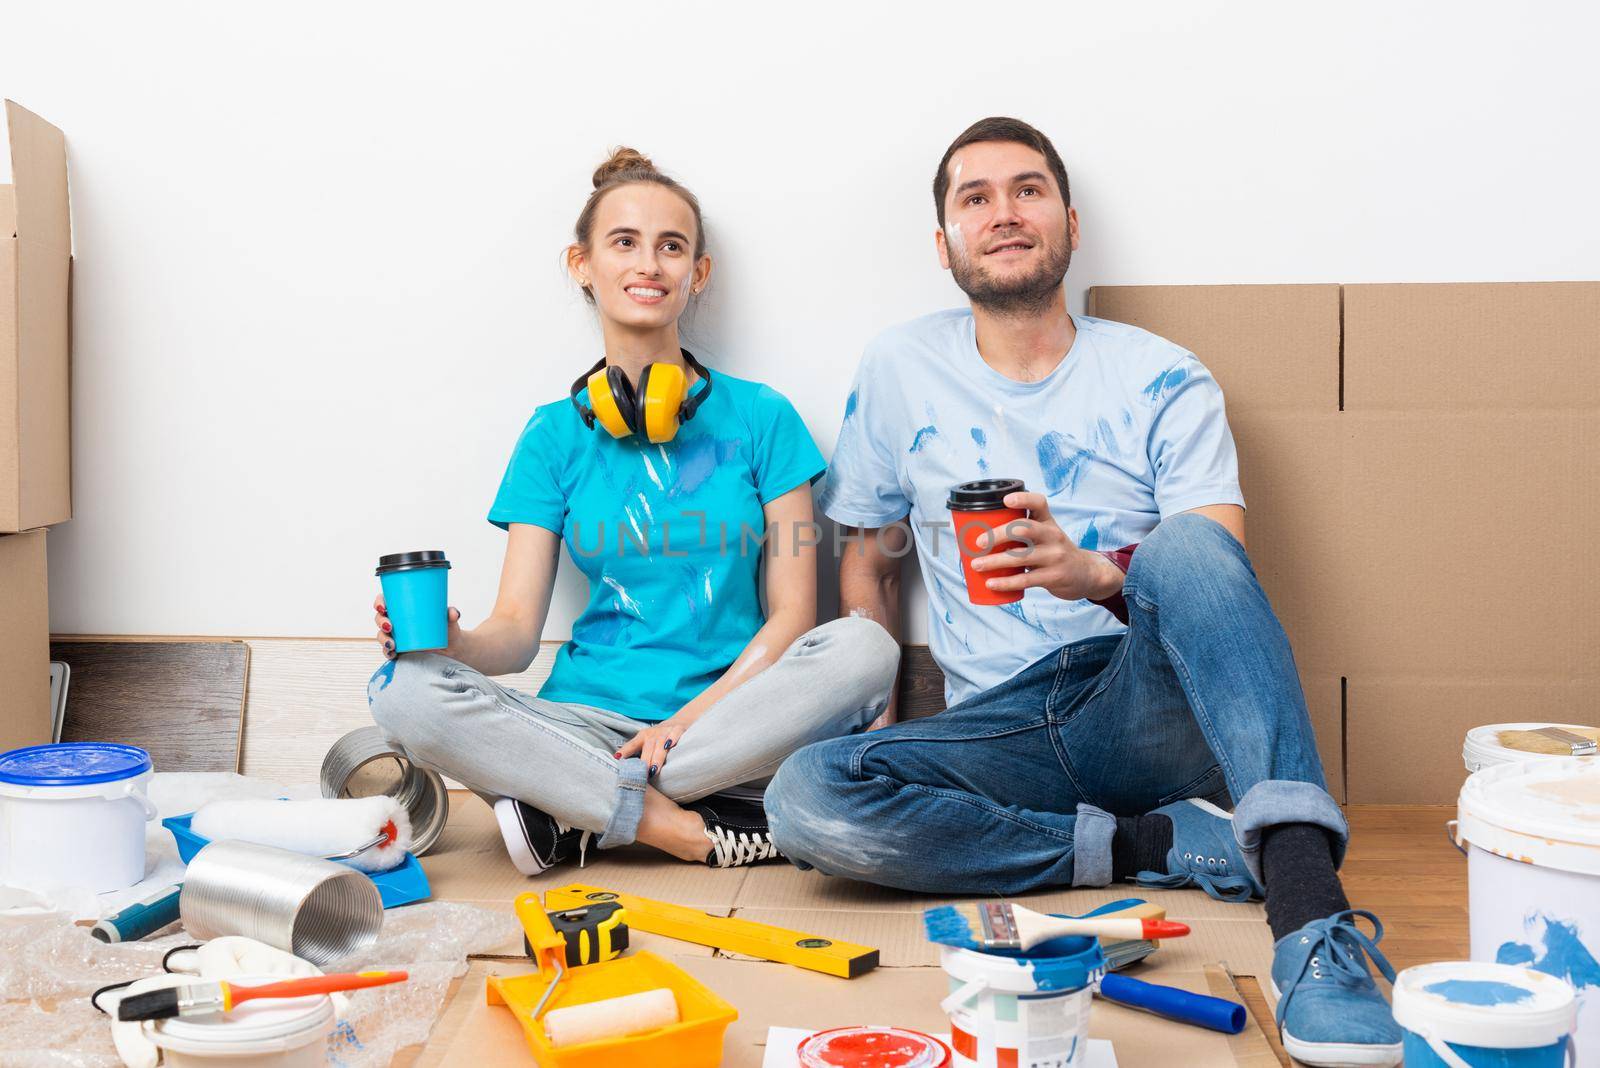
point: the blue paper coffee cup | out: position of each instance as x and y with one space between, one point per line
416 595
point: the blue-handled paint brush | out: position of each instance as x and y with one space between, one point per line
999 925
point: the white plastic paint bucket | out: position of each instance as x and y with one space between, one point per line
270 1033
1031 1010
1506 743
1531 833
1466 1014
73 815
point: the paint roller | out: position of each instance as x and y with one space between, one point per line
617 1017
370 834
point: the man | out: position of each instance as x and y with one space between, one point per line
1099 728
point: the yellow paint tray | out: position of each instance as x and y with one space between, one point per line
695 1041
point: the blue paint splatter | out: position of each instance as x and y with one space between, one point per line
1164 381
601 628
1090 539
1061 464
1127 417
981 439
1018 611
1564 954
1107 438
380 680
923 436
697 461
1479 992
1514 953
850 406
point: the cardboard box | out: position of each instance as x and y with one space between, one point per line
24 641
35 272
1419 465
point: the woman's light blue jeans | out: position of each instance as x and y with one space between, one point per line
557 756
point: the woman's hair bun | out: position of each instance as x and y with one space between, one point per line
622 161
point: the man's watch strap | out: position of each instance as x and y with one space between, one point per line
1123 558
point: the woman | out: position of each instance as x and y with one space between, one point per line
675 688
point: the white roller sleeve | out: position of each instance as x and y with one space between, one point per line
316 828
611 1018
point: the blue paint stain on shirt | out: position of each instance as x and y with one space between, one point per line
981 439
1164 381
1127 417
850 406
697 461
1561 954
1062 465
1090 538
922 437
1479 992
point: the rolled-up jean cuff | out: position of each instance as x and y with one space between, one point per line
624 823
1091 846
1279 801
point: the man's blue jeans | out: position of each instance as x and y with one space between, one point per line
1014 789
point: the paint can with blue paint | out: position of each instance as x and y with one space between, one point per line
416 597
1470 1014
1531 833
1029 1010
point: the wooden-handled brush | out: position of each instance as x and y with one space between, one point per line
998 925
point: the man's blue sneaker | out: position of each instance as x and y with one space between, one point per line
1330 1011
1204 853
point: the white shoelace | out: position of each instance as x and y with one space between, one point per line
742 848
583 841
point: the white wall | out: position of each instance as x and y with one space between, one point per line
318 287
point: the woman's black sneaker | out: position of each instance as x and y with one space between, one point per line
737 831
535 841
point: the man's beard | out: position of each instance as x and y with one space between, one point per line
1029 294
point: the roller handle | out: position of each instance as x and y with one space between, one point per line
1201 1010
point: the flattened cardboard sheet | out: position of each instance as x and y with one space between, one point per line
772 995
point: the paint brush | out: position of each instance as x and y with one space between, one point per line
201 998
999 925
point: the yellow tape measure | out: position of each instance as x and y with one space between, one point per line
593 932
819 954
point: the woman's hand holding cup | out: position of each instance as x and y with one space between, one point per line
386 628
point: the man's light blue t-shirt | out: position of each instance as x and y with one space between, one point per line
668 536
1127 429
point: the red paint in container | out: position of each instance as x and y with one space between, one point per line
873 1047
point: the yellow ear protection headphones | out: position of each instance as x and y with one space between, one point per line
657 408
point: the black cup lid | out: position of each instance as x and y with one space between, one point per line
984 495
411 561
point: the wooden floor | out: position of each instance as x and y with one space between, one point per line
1402 867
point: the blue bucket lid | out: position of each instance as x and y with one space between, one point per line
73 764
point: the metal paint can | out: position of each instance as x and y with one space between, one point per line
364 764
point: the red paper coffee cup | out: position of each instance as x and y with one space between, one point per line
977 508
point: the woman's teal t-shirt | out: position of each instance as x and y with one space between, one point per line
668 535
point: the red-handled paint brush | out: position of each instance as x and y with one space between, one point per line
221 996
998 925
